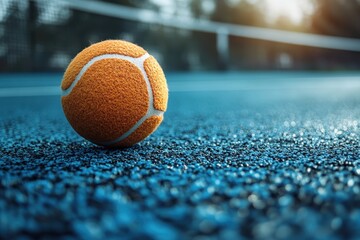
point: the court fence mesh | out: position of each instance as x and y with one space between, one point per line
43 36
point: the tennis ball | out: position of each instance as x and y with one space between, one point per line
114 93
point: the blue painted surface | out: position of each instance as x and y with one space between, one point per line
223 165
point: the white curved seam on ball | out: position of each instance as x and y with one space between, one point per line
151 110
102 57
133 128
139 63
157 113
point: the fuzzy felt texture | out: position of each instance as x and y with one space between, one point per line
100 48
112 96
143 131
158 83
108 100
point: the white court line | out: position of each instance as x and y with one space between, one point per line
30 91
319 83
332 83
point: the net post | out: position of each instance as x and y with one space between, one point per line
222 47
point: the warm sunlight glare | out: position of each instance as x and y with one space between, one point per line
293 9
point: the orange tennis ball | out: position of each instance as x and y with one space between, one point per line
114 93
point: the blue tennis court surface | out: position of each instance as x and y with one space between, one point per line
239 155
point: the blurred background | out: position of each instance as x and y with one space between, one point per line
185 35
